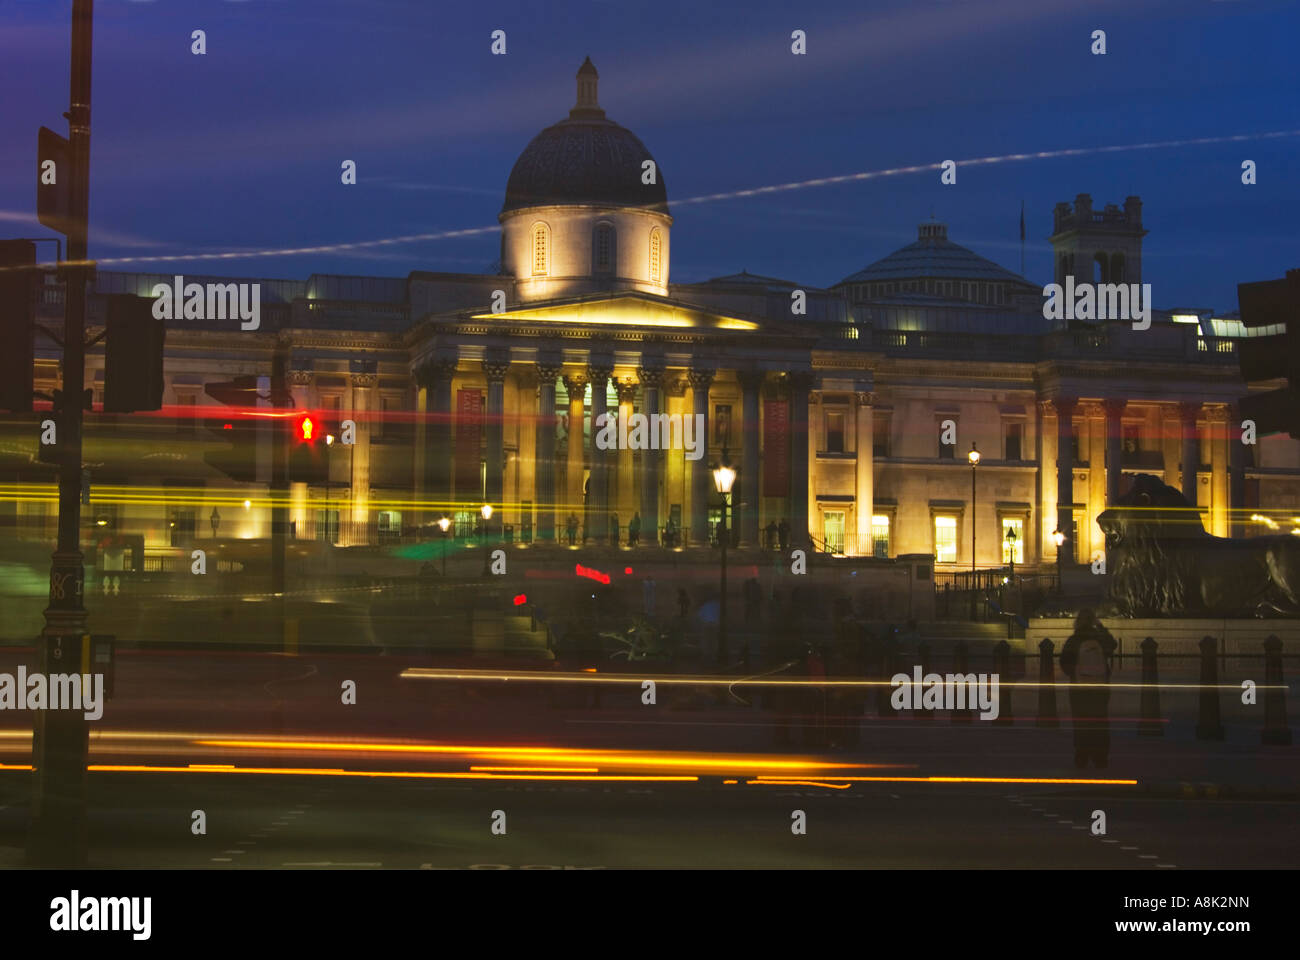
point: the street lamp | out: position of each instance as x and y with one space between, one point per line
486 512
329 441
1058 538
974 458
723 478
1011 552
443 523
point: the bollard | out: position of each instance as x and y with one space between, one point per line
1002 667
923 655
1208 726
1149 724
1046 686
962 659
1276 733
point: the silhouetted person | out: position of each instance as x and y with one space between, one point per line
770 529
572 526
783 533
634 530
1086 659
683 602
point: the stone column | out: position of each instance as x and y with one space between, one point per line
300 519
1236 474
701 478
1064 407
548 369
1219 493
576 385
1191 454
651 375
495 368
364 384
751 385
627 502
801 382
598 372
1114 410
435 377
865 487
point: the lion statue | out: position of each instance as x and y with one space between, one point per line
1162 562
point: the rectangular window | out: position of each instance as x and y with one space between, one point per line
880 436
880 535
1013 539
833 530
722 425
945 539
947 451
1014 433
834 432
1132 444
388 525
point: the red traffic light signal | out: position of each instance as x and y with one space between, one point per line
305 430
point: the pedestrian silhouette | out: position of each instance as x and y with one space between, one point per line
572 526
783 533
613 528
1086 659
634 530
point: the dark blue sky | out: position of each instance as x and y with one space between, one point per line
241 149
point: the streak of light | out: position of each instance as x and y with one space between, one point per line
398 774
559 755
1048 780
704 198
534 769
804 783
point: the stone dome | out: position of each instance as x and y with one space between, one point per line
586 159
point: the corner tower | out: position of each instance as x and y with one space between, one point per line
1098 246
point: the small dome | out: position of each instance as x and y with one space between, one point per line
586 159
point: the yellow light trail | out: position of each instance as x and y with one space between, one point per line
534 769
1047 780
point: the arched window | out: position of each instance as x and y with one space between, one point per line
602 249
1101 273
1117 273
541 250
656 256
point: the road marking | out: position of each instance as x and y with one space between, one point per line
220 859
232 851
1110 841
1147 856
1165 866
1128 848
330 863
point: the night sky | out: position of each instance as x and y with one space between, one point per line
241 149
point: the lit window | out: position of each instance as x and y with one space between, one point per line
656 255
1016 524
945 539
541 250
880 535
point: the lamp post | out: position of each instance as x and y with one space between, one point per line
329 442
1058 538
1011 552
723 478
443 523
486 512
974 458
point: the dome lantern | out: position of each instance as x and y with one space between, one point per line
587 106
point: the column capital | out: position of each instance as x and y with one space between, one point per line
599 371
675 386
301 378
626 390
364 380
1114 406
1189 410
1092 408
800 380
575 383
547 373
867 399
496 364
700 379
651 377
434 370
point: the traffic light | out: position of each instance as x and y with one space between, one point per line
17 323
1273 356
133 355
309 446
238 433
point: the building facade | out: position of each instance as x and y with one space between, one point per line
847 412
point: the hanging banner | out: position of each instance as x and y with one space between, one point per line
469 429
776 448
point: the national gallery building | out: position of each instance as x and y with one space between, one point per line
848 413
